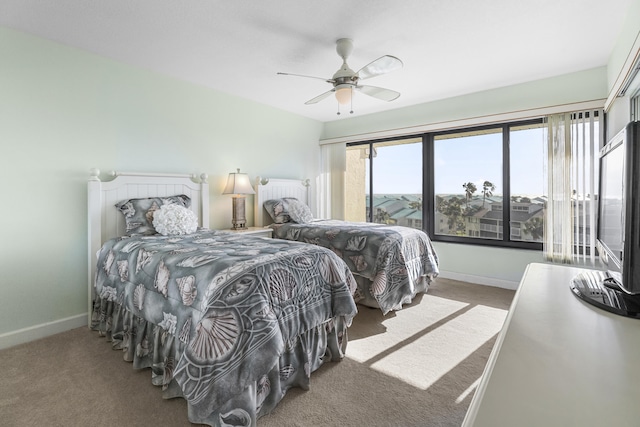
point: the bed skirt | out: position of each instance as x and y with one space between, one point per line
392 301
149 346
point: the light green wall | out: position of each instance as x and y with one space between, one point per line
490 265
576 87
64 111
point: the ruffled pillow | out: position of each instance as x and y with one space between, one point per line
174 219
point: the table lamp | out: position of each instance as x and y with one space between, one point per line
238 185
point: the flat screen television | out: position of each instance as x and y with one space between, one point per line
617 289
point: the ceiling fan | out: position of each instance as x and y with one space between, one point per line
345 81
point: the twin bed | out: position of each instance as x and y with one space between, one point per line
227 321
391 264
231 321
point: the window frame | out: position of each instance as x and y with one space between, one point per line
428 186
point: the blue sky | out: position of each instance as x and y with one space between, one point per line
398 169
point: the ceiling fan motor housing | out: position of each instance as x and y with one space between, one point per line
349 79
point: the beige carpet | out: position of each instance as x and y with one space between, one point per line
415 367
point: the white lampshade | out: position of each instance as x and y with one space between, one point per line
344 94
238 183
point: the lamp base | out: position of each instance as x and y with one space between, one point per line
238 221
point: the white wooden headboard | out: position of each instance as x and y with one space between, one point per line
106 222
273 188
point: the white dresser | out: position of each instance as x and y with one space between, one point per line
559 361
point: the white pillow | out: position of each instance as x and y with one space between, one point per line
174 219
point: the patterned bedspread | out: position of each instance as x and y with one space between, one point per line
395 262
233 304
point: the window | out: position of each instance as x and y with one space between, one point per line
394 170
467 177
527 180
479 185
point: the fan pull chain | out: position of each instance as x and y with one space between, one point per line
351 111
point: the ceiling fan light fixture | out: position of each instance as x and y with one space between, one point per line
344 93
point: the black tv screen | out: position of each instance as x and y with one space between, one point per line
611 207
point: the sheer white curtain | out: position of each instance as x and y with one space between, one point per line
331 182
573 141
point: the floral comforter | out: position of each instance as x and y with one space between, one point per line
390 263
228 322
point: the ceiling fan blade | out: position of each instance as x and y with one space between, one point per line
320 97
309 77
378 92
384 64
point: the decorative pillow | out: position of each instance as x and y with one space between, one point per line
288 209
174 219
277 209
299 212
138 213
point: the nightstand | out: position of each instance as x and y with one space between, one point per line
255 231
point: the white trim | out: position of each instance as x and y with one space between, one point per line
471 121
479 280
43 330
625 73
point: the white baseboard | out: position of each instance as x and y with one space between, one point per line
43 330
479 280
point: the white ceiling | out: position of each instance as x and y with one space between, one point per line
449 47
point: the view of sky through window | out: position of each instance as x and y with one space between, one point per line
398 168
